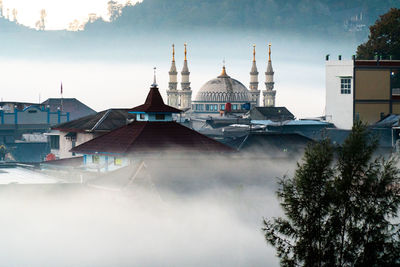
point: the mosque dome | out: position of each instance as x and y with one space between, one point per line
223 89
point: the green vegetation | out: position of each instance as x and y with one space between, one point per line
325 16
340 207
384 38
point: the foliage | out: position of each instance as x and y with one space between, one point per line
296 15
340 207
384 38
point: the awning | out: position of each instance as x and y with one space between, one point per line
71 135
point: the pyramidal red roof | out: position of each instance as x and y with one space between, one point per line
151 137
154 103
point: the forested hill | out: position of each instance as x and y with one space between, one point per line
7 26
330 16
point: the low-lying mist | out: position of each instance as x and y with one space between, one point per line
175 213
115 72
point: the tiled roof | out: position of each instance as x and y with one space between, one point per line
151 137
75 108
155 103
103 121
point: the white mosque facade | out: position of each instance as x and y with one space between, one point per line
222 93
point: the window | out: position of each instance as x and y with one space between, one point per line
345 86
142 116
222 107
117 161
234 107
73 145
207 107
160 117
54 141
216 107
395 83
96 159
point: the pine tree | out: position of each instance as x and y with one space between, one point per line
340 207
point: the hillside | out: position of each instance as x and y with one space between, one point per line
319 16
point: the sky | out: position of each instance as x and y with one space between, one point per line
59 12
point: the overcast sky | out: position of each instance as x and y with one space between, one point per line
59 12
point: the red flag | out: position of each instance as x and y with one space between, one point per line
61 88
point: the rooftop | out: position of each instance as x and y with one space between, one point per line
103 121
154 103
75 107
150 137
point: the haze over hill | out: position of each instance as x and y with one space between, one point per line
120 54
321 16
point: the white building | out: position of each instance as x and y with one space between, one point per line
179 98
222 94
269 94
339 92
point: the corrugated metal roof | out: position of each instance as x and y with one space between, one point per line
306 122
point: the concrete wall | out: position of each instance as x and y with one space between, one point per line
373 84
339 107
371 112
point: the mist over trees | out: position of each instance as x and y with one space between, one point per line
320 16
327 20
341 207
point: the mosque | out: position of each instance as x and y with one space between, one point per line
221 94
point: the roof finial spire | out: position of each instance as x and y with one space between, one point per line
185 50
223 73
269 52
155 78
173 52
254 53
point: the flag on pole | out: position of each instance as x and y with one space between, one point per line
62 104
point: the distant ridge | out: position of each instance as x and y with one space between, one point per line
330 16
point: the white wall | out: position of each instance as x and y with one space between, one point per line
339 107
66 144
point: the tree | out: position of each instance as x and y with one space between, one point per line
340 207
41 24
384 37
114 10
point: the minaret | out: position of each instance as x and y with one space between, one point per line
172 92
186 93
255 93
269 93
